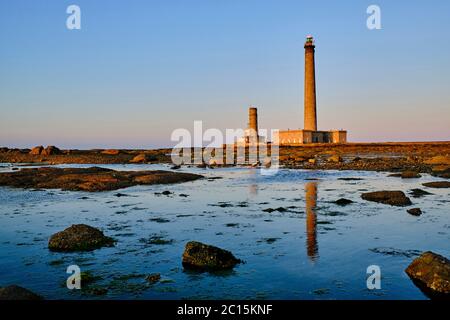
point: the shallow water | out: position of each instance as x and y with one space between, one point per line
314 250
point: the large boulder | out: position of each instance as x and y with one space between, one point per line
393 198
50 150
431 273
17 293
437 184
79 237
201 256
36 151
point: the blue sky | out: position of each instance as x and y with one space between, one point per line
137 70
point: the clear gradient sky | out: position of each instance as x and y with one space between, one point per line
139 69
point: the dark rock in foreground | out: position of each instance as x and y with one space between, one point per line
431 273
437 184
17 293
393 198
343 202
414 211
205 257
89 179
79 237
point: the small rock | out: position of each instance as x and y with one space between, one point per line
166 193
205 257
417 193
140 158
175 167
410 175
121 195
415 211
437 184
431 273
442 171
335 158
406 175
17 293
111 152
279 209
79 237
343 202
153 278
37 150
393 198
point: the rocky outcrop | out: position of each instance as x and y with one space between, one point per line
50 151
92 179
17 293
393 198
36 151
201 256
79 237
431 273
437 184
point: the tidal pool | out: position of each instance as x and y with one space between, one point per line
296 243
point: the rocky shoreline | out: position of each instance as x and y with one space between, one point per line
414 158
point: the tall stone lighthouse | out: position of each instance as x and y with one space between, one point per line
310 86
310 132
